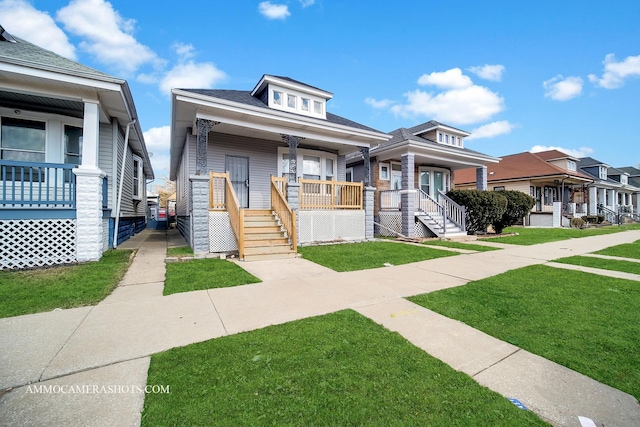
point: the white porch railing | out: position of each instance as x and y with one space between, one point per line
453 211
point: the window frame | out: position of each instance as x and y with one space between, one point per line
301 152
381 167
140 178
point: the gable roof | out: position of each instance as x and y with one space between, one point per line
585 162
516 167
432 124
554 155
632 171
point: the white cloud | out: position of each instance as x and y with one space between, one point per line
560 88
273 11
190 74
107 35
463 106
488 72
183 50
502 127
307 3
158 141
616 72
575 152
379 103
450 79
21 19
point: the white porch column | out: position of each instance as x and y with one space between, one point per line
90 134
611 199
593 201
601 196
89 224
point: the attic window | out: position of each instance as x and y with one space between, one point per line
6 37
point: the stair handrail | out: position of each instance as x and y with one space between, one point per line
454 212
236 213
426 203
287 216
609 215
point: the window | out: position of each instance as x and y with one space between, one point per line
277 97
439 136
317 107
532 191
291 101
446 139
329 169
459 142
138 178
384 172
311 167
22 140
425 181
72 145
396 176
550 195
623 179
499 188
603 172
304 104
571 165
349 175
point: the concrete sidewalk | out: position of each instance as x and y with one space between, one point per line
113 340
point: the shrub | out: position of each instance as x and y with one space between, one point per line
591 219
577 222
482 207
519 204
600 219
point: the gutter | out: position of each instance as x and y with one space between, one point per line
119 201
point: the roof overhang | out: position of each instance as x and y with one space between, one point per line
433 154
261 123
266 79
444 128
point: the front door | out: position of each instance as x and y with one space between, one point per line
238 168
538 199
438 183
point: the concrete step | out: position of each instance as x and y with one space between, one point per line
269 256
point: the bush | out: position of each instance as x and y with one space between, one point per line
482 207
593 219
600 219
577 222
519 204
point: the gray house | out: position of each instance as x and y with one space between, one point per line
261 171
73 163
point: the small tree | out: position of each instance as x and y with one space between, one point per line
482 207
165 191
518 205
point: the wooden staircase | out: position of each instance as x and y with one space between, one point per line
264 238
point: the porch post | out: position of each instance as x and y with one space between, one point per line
89 225
368 212
199 209
408 195
204 126
367 166
90 134
293 142
481 178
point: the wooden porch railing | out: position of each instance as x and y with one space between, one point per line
318 194
37 185
283 210
223 197
281 184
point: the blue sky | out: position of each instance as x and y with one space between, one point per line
519 75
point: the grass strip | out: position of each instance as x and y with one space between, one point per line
605 264
460 245
205 273
626 250
585 322
68 286
533 236
180 251
365 255
338 369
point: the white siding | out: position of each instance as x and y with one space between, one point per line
342 169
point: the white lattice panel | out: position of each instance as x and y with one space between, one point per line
221 238
390 220
37 242
421 230
330 225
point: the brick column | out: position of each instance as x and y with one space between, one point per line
89 225
293 195
368 212
199 213
408 195
481 178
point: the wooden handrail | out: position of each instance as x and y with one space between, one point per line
223 197
287 216
319 194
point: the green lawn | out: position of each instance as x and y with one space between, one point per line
180 251
34 291
533 236
460 245
206 273
365 255
605 264
626 250
338 369
586 322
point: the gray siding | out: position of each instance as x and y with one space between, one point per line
263 157
182 181
105 157
358 172
342 168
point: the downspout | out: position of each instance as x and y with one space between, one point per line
124 161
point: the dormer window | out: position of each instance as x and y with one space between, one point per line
304 104
277 97
603 172
623 179
571 165
317 107
292 101
439 136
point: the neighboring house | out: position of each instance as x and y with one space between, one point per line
412 172
551 177
633 178
611 192
73 163
263 170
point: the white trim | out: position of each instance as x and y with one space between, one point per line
347 172
301 152
266 80
383 165
141 177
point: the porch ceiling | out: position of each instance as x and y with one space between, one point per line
436 156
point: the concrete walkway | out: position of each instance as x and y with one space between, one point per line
110 344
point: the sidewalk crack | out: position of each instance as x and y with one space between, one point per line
495 363
218 313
